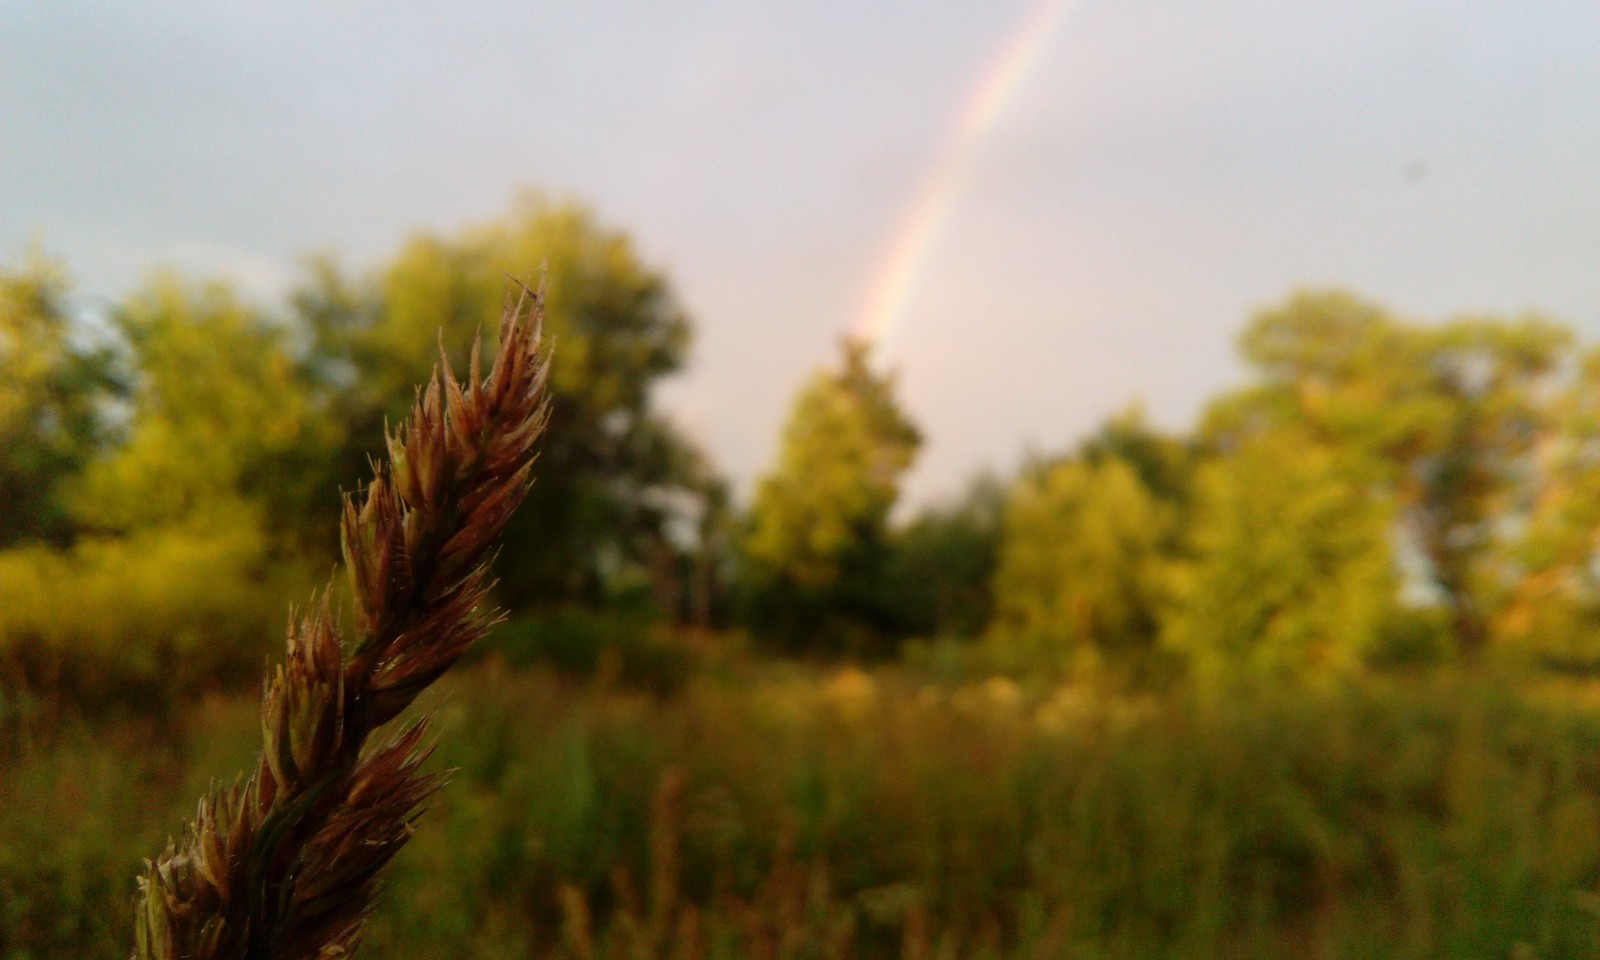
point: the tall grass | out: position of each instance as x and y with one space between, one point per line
772 812
872 816
856 816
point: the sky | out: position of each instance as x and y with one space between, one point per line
1149 173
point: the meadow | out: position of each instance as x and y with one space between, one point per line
762 809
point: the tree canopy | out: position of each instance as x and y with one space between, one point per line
609 465
54 389
818 525
1291 572
219 415
1451 413
1082 562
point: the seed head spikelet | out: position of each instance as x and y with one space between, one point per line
284 864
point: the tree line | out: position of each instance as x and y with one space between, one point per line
1381 489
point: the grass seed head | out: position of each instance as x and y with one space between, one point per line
285 864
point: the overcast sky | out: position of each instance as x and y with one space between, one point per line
1165 169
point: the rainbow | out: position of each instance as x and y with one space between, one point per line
897 275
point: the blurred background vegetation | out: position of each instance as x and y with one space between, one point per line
1312 679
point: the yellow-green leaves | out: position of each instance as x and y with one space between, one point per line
1082 561
220 412
595 513
815 550
52 391
1292 571
844 450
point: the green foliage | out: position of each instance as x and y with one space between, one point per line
1343 367
1291 576
1082 564
238 430
609 463
147 619
1498 376
194 522
82 805
52 393
1453 412
816 545
1165 464
1414 635
221 416
844 449
1383 493
1550 604
938 576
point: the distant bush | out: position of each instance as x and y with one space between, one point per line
145 620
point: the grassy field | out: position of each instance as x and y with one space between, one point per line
765 810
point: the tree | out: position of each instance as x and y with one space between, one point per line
940 570
1551 601
53 391
1451 412
191 527
610 468
1164 463
1291 573
1082 563
1497 376
219 417
816 544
